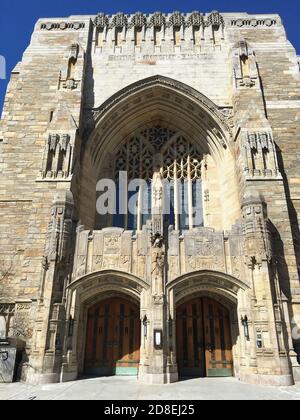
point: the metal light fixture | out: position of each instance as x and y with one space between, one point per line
170 326
245 324
145 326
71 327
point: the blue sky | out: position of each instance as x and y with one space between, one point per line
17 17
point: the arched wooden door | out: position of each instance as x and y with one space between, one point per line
204 345
113 338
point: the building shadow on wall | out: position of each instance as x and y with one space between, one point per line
282 268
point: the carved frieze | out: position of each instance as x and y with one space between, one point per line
253 23
62 26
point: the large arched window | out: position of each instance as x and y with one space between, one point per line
180 162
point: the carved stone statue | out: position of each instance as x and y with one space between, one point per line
158 263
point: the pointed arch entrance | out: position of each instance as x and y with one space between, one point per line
113 338
203 334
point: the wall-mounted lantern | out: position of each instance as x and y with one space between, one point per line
145 326
170 327
71 327
158 343
245 324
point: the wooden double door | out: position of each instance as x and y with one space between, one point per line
113 338
204 345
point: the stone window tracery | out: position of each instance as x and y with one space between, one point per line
180 162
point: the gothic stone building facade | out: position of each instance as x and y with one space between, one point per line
200 99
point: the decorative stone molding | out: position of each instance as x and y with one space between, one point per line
138 20
120 20
209 106
101 20
49 26
196 19
176 19
254 23
215 19
157 20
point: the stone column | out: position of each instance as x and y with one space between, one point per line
49 330
272 365
155 368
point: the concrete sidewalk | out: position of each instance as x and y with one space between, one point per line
124 388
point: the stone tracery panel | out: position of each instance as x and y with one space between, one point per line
136 155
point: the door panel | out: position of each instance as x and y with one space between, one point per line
203 339
113 338
218 355
190 340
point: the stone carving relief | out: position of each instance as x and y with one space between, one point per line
101 20
120 20
215 19
245 66
257 238
178 21
110 262
196 19
21 325
205 249
157 20
71 73
58 157
138 20
259 155
60 230
112 244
